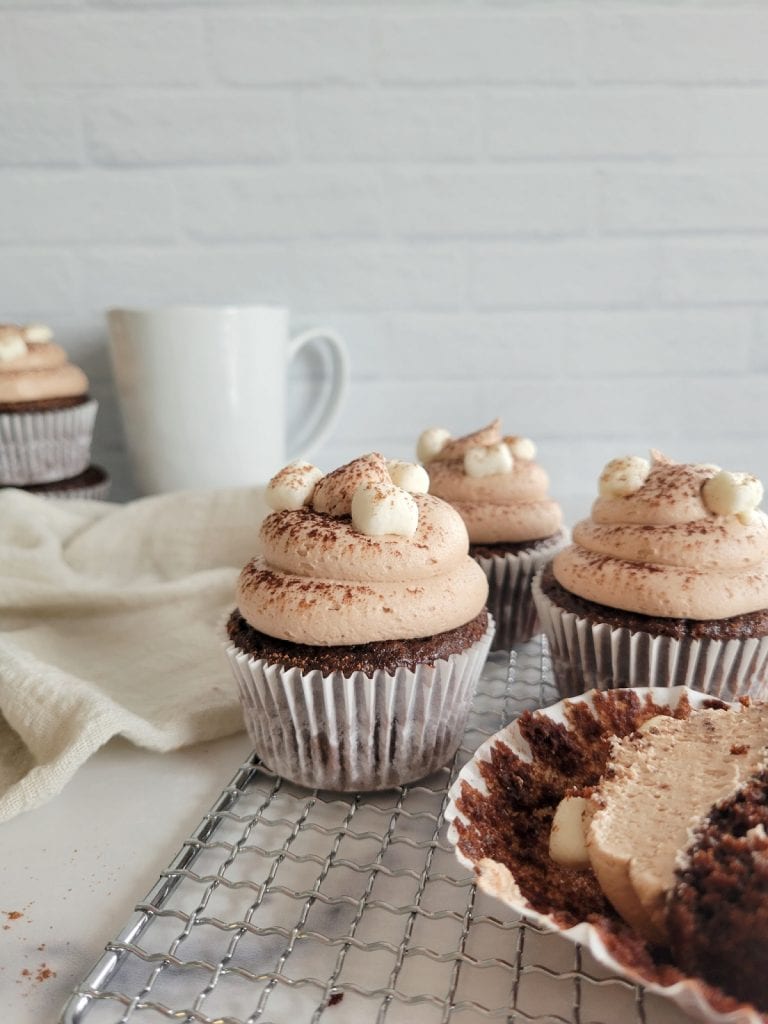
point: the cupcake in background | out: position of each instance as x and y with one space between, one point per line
500 492
361 631
46 417
666 584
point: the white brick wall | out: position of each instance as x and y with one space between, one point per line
554 210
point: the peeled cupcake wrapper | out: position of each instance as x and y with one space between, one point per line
509 591
599 656
358 732
48 445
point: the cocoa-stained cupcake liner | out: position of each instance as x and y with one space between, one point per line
358 732
598 656
509 591
52 444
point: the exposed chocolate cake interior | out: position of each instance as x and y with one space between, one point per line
44 404
513 547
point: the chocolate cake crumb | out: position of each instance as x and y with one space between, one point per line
43 404
387 655
513 547
738 627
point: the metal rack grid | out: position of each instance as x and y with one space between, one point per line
299 906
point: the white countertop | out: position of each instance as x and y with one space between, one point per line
75 868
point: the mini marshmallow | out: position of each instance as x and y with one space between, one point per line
37 334
488 460
521 447
379 509
293 486
624 476
408 475
567 842
431 443
12 344
728 494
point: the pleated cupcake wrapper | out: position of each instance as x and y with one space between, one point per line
509 592
52 444
90 492
598 656
358 732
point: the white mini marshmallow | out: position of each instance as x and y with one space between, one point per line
521 447
623 476
379 509
37 334
728 494
408 475
431 443
12 345
488 460
567 842
293 486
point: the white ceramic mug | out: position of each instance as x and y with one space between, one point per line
202 393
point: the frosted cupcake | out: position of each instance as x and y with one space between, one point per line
46 415
361 630
500 492
665 584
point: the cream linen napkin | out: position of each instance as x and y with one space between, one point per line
108 625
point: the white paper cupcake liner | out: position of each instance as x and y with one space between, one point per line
588 656
52 444
358 732
509 591
497 880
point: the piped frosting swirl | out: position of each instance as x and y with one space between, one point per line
33 368
322 581
493 483
662 551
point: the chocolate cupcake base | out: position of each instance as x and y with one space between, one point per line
510 569
44 445
357 730
593 647
92 485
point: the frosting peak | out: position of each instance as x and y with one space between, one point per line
494 484
662 550
33 368
322 581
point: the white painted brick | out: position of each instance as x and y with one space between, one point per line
280 203
692 45
340 124
479 47
759 352
588 123
85 206
379 276
40 131
136 276
712 272
302 48
104 49
175 128
563 273
728 122
542 344
730 198
460 202
37 283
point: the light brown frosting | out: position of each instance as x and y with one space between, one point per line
322 582
661 552
42 372
658 786
504 507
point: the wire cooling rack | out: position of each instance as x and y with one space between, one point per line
294 906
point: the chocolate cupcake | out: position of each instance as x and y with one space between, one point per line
46 416
514 527
92 485
717 913
361 631
665 584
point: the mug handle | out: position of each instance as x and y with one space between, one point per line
333 353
